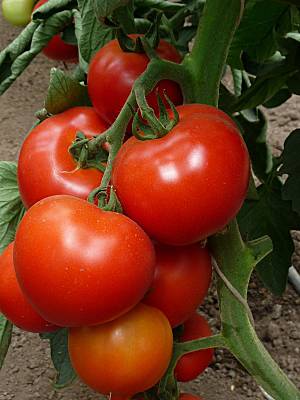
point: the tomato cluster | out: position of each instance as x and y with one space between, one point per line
121 283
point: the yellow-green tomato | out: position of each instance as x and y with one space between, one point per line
17 12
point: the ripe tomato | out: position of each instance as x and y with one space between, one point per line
17 12
79 265
13 304
111 63
56 48
45 167
181 281
187 185
125 356
191 365
188 396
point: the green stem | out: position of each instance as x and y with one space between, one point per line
207 59
236 260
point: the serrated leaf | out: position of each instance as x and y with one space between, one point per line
291 166
91 33
11 207
271 216
254 127
18 55
104 8
60 357
256 33
6 328
64 92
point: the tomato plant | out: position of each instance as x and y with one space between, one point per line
45 167
57 48
111 62
194 185
125 356
17 12
191 365
13 303
182 278
79 265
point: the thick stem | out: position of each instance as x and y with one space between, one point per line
236 260
212 42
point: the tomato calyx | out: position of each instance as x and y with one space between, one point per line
150 126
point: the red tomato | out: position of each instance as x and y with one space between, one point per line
188 396
181 281
56 48
191 365
45 167
187 185
125 356
112 73
13 304
79 265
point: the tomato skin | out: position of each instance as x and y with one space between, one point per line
104 359
188 396
56 48
110 62
80 265
187 185
45 167
17 12
181 281
13 304
193 364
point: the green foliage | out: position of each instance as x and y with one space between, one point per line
291 166
64 92
60 357
11 207
6 328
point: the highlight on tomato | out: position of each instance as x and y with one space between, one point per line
79 265
181 281
189 184
17 12
57 49
110 62
13 304
193 364
46 168
125 356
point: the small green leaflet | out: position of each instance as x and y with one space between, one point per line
291 166
272 216
6 328
11 207
60 357
64 92
104 8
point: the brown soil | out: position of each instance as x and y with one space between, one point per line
27 372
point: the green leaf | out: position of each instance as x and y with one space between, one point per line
291 166
11 207
92 34
60 357
52 7
254 127
64 92
279 98
6 328
68 35
271 216
256 33
18 55
105 8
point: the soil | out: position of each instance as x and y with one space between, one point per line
27 372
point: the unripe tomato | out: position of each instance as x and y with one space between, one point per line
111 63
13 304
125 356
79 265
181 281
56 48
193 364
45 167
17 12
188 184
